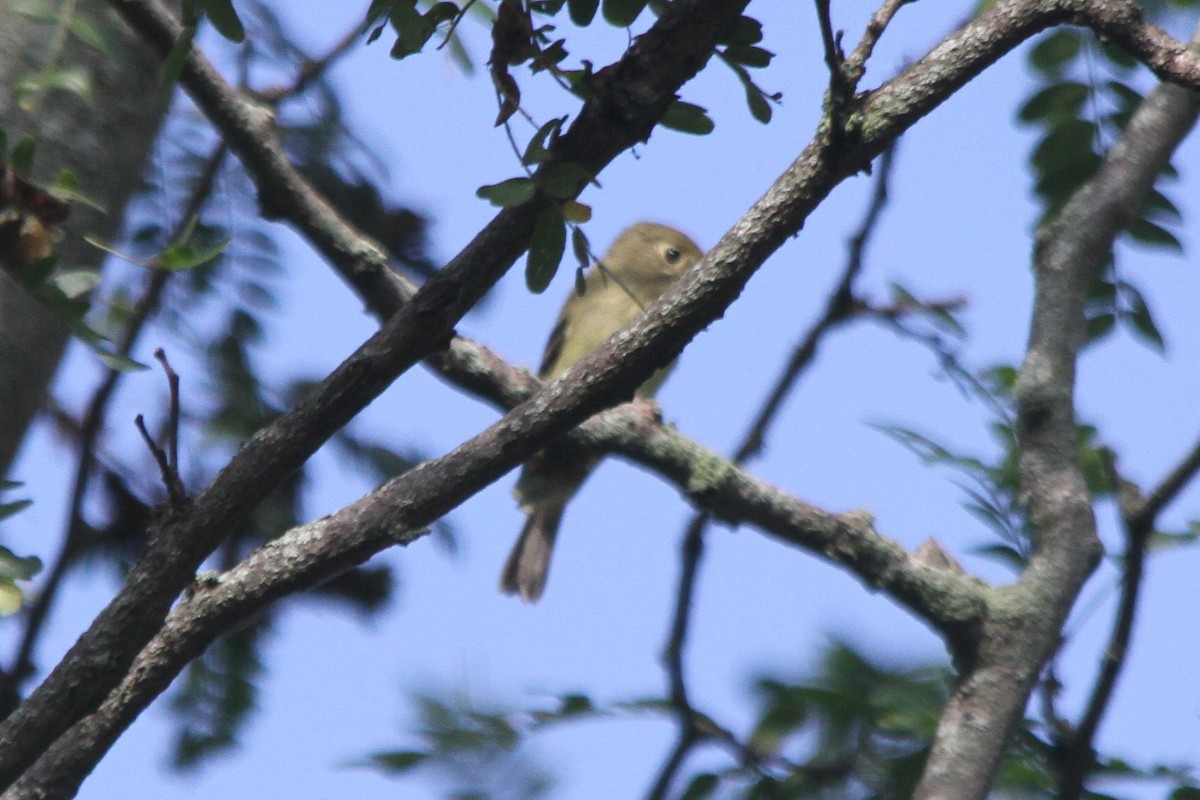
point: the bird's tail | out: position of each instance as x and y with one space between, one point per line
529 562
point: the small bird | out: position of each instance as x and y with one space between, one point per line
641 264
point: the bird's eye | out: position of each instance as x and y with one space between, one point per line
672 255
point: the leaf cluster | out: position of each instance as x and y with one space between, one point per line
1085 95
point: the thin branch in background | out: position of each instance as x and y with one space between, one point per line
1144 516
454 22
691 552
94 421
1139 517
840 308
311 69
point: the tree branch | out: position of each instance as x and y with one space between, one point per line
839 308
1024 625
622 111
627 107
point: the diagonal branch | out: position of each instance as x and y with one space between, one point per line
1024 626
622 111
398 513
625 106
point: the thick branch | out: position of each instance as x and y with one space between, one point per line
623 111
1024 627
398 513
607 376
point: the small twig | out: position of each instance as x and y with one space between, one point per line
454 22
692 551
90 428
855 65
160 456
311 69
1168 490
840 89
173 424
168 459
839 308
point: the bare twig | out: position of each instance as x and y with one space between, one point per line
171 478
840 89
160 457
1076 747
855 65
1144 516
311 69
454 22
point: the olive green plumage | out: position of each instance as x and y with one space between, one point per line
641 264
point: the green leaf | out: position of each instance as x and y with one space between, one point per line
576 212
11 598
538 147
1140 318
505 194
18 568
1158 205
77 282
622 13
376 12
22 156
225 19
701 786
545 250
66 188
16 506
75 80
746 31
173 63
35 274
1052 53
564 181
1100 326
575 705
190 13
398 762
179 257
582 11
414 30
749 55
1056 103
1153 235
687 118
760 109
580 247
85 31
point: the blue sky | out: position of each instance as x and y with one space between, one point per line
959 224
